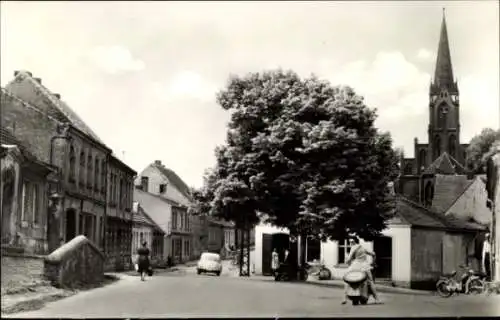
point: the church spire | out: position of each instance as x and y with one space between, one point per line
443 75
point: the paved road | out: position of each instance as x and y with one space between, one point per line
187 294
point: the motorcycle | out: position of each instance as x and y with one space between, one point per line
469 282
286 272
358 290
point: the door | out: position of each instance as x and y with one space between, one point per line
382 246
70 224
267 249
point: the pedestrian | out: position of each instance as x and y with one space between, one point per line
143 260
486 262
275 261
358 260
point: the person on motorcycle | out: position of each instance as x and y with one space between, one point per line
358 260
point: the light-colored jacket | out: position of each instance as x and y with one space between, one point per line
359 259
275 260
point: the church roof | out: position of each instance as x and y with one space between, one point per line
445 164
443 74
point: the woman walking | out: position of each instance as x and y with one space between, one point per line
143 261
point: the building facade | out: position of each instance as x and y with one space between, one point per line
145 229
163 182
39 120
24 196
55 134
119 215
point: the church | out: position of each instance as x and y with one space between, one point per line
441 214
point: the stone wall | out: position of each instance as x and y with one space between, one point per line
78 262
19 268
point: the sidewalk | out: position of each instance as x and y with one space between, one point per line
340 284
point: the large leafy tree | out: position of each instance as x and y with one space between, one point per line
480 149
305 154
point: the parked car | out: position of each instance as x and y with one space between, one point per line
209 263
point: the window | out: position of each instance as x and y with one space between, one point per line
72 164
163 188
96 175
443 114
422 160
343 253
36 200
101 232
437 146
144 183
30 200
89 172
451 145
103 177
81 177
120 199
174 220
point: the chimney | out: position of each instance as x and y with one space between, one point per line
29 73
57 95
38 80
16 73
158 162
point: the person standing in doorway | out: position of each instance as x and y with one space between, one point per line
486 257
275 261
143 260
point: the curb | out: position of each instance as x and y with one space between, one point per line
379 287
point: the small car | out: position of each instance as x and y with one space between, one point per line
209 263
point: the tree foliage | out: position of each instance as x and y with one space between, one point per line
480 148
303 152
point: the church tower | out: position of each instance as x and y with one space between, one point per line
444 105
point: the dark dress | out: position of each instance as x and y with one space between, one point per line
143 261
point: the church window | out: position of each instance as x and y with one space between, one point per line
409 169
443 115
422 158
428 195
437 146
452 145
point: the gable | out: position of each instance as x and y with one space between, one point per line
471 205
447 189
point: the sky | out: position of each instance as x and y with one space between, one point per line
144 75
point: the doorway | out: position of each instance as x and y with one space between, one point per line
382 246
70 224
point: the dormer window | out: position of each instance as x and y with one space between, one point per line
163 188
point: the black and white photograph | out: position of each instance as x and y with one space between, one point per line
276 159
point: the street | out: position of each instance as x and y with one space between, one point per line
185 294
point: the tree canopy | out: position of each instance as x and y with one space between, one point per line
480 148
300 154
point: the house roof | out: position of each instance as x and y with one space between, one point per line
447 189
178 183
417 215
445 164
8 138
57 107
140 216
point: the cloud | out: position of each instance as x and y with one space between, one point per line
186 85
425 55
115 59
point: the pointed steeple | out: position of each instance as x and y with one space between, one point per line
443 75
